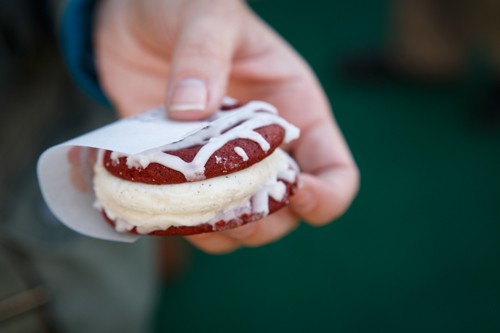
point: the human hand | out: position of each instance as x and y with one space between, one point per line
188 54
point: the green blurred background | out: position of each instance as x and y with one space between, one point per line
418 251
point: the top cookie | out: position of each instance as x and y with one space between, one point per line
241 136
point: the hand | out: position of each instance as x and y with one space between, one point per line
188 54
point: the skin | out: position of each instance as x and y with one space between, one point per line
144 48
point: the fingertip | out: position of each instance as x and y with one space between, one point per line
189 114
323 199
272 228
303 202
188 100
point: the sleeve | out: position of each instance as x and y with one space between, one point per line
77 49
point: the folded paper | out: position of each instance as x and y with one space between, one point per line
65 170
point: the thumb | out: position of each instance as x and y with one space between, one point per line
201 62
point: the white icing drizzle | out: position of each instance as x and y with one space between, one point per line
239 123
241 152
228 101
288 175
277 191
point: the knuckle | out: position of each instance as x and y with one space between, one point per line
206 49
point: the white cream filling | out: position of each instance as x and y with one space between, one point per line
158 207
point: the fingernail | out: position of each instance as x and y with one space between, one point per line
188 95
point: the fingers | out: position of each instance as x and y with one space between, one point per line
325 196
331 178
321 198
252 234
81 161
201 61
265 231
214 243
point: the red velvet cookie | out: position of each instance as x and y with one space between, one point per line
223 161
240 145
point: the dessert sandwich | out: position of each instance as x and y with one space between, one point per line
225 175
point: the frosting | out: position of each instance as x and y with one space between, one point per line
242 153
157 207
227 125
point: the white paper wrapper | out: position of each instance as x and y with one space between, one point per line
65 175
